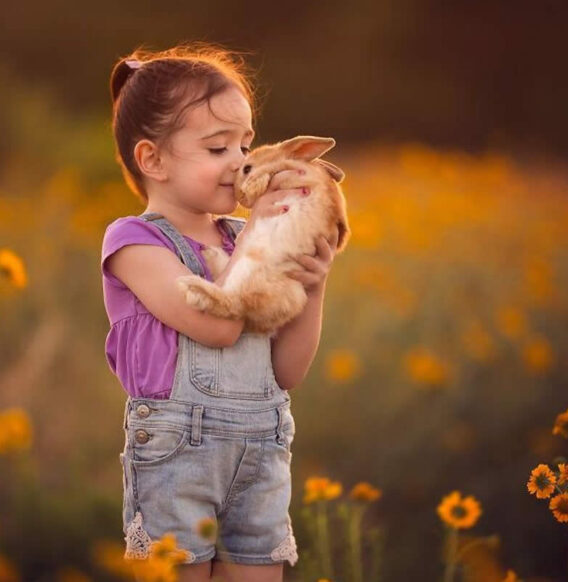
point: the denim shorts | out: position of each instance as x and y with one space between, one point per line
184 463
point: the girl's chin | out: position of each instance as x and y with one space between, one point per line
228 207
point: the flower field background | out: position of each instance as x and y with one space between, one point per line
441 368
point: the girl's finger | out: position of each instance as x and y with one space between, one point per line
335 238
310 263
323 248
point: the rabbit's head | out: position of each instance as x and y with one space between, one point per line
262 163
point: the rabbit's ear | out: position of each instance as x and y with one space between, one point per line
306 147
336 173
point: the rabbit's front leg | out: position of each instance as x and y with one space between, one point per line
208 297
216 260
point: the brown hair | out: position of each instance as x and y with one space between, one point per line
151 91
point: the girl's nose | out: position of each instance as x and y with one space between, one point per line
237 161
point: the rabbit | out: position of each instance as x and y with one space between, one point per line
257 288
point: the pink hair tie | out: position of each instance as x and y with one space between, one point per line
134 64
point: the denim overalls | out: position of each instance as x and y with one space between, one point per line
217 449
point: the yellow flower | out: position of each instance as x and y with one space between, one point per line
511 322
159 566
541 482
165 549
562 473
12 267
538 355
511 577
559 507
477 342
425 367
561 424
15 430
365 492
207 528
321 489
342 365
154 570
109 555
458 512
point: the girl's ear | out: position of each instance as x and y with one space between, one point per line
336 173
306 147
149 161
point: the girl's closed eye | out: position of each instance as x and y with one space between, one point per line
219 151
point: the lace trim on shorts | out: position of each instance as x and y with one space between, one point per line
286 549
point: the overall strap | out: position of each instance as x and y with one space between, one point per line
184 250
234 225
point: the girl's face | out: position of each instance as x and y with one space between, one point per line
203 157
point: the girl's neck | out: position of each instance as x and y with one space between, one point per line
194 224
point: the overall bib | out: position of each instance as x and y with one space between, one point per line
218 449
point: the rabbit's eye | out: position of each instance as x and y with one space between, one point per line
247 169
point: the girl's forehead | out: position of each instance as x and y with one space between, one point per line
226 110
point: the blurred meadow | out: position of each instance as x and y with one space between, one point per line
442 364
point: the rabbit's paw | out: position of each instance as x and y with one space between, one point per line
192 288
206 296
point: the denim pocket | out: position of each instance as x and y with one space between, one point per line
127 493
287 429
153 444
243 370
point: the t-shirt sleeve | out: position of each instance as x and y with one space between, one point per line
129 230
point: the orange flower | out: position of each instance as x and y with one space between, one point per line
561 425
458 512
207 528
15 430
425 367
109 555
538 355
342 365
559 507
511 322
365 492
562 473
541 482
477 342
12 266
165 548
321 489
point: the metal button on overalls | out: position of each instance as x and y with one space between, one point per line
143 411
141 436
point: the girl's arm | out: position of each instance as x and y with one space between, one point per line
296 343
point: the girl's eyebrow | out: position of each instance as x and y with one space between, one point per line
225 131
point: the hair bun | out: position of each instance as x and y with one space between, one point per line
120 74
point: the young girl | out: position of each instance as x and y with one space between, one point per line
207 421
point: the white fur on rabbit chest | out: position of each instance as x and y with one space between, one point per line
276 239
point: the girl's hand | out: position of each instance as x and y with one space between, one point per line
269 204
314 269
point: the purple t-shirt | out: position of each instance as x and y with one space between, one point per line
140 349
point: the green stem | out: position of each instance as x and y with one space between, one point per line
323 540
451 554
355 519
375 537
